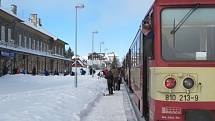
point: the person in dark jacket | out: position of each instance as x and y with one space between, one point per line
56 72
14 70
46 72
149 37
66 73
119 80
91 71
5 70
72 73
109 77
82 71
34 71
115 77
105 71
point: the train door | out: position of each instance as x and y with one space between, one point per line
129 70
147 55
144 71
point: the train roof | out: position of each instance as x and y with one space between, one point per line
183 2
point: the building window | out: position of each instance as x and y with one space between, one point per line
59 50
9 35
3 33
62 51
33 47
25 42
29 43
37 48
41 46
47 47
55 50
44 47
20 39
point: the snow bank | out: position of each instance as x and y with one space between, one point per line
47 98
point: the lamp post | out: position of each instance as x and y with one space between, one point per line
100 56
101 46
94 32
76 37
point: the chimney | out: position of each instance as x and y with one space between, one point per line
39 22
14 9
34 19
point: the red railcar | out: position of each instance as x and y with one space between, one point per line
176 82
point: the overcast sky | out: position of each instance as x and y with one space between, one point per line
116 21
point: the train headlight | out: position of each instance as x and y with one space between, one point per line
188 83
170 83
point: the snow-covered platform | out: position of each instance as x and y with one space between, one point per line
116 107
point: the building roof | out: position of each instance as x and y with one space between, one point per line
29 24
37 28
10 13
78 62
62 41
40 29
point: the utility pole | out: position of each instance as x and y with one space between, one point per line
76 41
94 32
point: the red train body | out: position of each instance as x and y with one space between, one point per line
176 82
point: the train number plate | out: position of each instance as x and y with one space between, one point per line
183 98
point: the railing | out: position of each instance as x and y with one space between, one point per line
11 45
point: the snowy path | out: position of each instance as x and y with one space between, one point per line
112 108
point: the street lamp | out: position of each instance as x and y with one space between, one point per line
101 46
76 37
100 56
94 32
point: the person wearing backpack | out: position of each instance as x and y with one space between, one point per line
104 72
109 77
115 73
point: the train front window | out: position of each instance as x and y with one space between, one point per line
194 40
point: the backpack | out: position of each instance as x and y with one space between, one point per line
109 75
106 74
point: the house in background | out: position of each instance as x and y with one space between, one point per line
79 63
100 60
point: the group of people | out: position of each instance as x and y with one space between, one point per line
34 71
14 71
113 77
92 71
72 73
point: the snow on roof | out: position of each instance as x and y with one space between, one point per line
80 62
10 13
94 62
83 57
40 29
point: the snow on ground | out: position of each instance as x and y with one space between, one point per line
47 98
108 108
116 107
